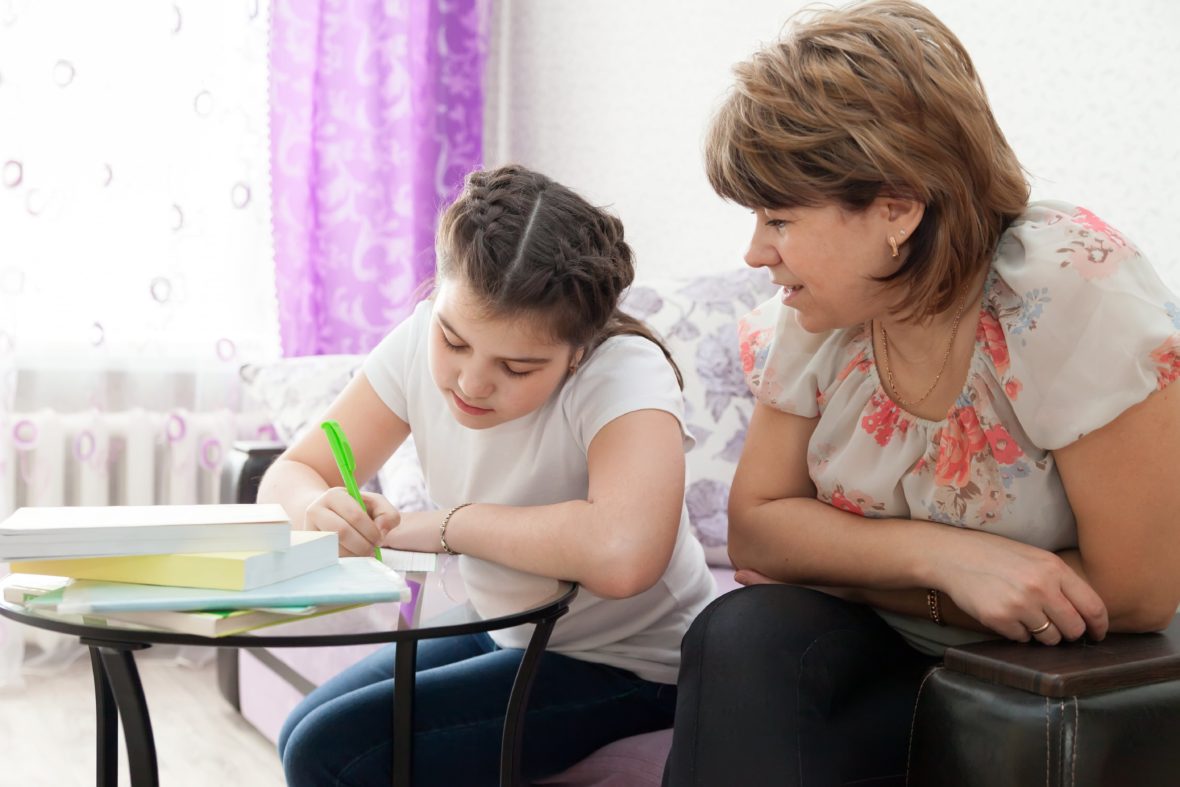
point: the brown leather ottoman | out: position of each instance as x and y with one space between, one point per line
1003 714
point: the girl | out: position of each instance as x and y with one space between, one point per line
550 432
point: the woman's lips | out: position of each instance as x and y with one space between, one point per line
469 409
789 293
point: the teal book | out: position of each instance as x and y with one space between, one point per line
354 580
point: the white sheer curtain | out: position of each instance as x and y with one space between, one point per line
136 268
134 194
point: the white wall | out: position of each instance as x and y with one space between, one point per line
612 98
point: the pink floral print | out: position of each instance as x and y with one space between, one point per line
961 439
1167 361
1051 347
855 502
882 418
1097 250
1003 447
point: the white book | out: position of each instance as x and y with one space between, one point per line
97 531
404 560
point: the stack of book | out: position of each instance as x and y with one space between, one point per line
211 570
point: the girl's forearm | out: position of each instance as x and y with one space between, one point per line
294 486
576 540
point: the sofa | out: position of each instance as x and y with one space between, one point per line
695 316
993 714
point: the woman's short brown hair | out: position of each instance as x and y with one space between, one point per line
874 99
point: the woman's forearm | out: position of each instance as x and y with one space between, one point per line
1131 607
912 602
807 542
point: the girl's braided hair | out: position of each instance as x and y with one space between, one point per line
526 244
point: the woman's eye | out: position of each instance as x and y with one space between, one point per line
778 224
451 346
513 373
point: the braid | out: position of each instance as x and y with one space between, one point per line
525 244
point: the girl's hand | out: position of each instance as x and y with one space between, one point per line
359 530
1014 589
418 531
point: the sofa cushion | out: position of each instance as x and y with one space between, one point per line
297 391
697 319
637 761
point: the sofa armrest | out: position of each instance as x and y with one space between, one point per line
1073 669
240 476
242 471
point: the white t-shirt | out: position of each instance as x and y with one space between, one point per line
540 459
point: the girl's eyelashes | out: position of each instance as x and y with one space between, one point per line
460 347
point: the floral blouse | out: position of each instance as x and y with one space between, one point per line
1074 328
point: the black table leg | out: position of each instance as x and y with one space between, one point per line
517 701
115 672
107 724
406 656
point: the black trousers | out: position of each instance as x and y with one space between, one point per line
782 685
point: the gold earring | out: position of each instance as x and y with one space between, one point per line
893 246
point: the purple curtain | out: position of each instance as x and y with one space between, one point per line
376 116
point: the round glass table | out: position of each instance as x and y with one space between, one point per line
118 691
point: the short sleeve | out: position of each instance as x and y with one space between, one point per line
1077 324
623 374
786 366
390 365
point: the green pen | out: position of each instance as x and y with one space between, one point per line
342 452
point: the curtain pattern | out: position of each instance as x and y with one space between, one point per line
376 116
134 204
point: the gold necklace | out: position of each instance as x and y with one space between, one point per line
946 356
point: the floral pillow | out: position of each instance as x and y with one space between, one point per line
697 319
297 391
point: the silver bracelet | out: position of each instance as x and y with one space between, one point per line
442 531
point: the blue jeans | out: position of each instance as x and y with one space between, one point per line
342 732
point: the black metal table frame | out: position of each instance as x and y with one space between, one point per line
118 690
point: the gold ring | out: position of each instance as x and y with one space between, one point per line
1041 627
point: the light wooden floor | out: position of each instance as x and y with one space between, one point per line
47 732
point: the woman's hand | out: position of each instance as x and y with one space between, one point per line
1015 589
359 530
748 576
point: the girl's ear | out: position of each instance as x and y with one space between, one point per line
576 358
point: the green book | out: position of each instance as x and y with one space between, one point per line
352 580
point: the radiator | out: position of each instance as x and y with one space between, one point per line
134 457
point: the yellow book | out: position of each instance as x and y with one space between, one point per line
309 550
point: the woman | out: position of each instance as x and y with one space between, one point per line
965 425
